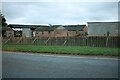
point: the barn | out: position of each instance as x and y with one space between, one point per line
45 31
27 30
7 32
18 30
102 28
61 31
76 30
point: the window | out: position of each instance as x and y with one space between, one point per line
42 32
17 33
4 33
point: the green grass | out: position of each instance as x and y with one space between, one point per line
77 50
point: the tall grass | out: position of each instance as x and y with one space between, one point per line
77 50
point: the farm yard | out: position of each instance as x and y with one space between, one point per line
96 38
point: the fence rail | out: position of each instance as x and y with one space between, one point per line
94 41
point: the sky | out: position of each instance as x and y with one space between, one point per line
59 12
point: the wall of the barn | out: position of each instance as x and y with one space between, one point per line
85 29
71 33
102 28
8 34
43 34
60 33
27 32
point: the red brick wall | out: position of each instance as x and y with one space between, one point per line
60 33
9 33
71 33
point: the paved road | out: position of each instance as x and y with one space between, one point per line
20 65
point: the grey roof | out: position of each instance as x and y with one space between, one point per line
67 27
48 28
74 27
101 22
44 29
26 26
55 26
7 28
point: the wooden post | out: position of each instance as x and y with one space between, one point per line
8 40
56 41
107 39
86 40
20 39
34 40
49 37
67 38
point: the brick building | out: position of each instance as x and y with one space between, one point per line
61 31
45 30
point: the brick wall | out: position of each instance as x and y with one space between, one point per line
59 33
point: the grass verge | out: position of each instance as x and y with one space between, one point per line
75 50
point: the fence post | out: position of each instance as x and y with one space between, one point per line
34 40
8 40
86 41
107 41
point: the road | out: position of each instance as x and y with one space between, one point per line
24 65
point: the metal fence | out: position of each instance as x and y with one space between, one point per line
93 41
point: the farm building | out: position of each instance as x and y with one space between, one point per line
27 30
43 31
18 30
61 31
53 31
76 30
7 32
102 28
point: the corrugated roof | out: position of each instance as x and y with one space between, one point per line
101 22
47 28
7 28
44 29
74 27
26 26
67 27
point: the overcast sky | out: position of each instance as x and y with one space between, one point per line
59 12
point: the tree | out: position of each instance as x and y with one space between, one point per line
2 21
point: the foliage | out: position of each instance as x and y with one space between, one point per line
2 21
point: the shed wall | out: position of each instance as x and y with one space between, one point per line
27 32
102 28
